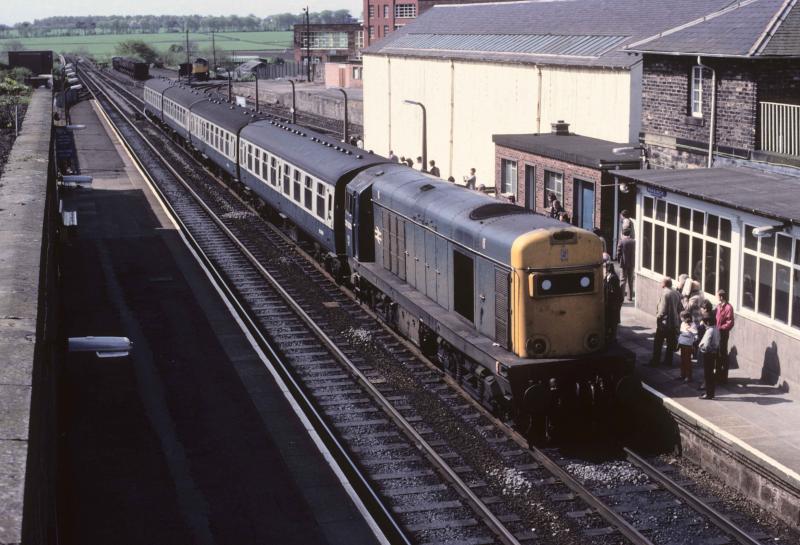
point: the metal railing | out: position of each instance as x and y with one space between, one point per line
780 128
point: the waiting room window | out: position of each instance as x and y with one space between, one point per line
679 240
697 91
385 30
508 176
771 276
553 183
371 11
371 32
386 11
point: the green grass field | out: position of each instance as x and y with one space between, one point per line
103 45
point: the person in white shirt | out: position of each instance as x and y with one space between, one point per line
686 340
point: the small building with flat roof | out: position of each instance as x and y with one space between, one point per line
732 229
577 169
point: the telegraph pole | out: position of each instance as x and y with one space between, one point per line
214 52
308 48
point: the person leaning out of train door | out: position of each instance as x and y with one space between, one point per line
614 298
668 320
555 206
724 324
709 346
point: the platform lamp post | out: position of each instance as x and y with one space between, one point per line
344 130
256 75
424 133
293 111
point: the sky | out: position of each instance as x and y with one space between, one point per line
17 11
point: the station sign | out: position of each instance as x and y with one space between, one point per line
656 192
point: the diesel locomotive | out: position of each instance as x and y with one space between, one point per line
508 302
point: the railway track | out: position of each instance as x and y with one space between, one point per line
442 469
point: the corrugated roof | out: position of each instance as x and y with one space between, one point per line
538 44
769 195
569 32
742 29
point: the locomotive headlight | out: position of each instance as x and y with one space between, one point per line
585 281
546 285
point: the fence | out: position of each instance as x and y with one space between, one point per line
780 128
286 70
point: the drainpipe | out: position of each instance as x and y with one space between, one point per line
539 102
713 111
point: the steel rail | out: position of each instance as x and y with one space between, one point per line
316 418
477 505
720 521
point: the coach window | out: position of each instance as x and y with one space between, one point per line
680 240
553 183
297 175
264 165
287 179
321 200
309 193
249 157
257 162
273 170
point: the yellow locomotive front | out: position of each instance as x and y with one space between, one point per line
557 295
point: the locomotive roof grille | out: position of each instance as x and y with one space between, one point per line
493 210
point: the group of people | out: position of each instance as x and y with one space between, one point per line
433 170
686 320
556 208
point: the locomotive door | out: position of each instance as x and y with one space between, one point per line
419 259
442 272
430 265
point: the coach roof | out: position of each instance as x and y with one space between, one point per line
184 96
314 153
579 32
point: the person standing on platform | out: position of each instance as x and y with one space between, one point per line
627 222
686 343
668 320
613 294
709 347
724 324
433 170
422 166
626 256
470 180
392 157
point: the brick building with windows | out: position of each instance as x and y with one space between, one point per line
731 79
329 42
579 170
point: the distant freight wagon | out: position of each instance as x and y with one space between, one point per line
38 62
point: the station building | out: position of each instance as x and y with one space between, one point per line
724 91
503 68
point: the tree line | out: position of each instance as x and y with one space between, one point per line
152 24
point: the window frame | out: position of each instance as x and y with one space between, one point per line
559 193
696 92
510 166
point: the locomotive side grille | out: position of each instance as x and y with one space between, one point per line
501 307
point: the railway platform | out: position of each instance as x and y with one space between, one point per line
189 439
748 436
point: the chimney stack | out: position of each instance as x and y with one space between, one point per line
560 128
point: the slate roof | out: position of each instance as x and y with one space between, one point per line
772 196
573 148
751 28
566 32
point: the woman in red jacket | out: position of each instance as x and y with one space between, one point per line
724 324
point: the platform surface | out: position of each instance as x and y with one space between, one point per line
189 439
764 418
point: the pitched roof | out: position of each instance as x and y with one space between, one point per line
750 28
566 32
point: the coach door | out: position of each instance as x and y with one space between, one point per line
464 285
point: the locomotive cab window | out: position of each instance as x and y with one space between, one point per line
547 285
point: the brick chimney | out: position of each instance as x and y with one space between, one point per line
560 128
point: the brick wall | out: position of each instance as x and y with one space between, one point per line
675 139
540 163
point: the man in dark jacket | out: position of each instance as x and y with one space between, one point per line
668 320
613 294
626 256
